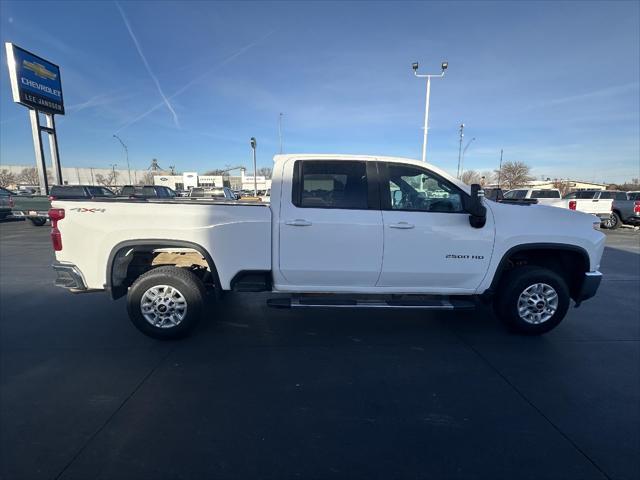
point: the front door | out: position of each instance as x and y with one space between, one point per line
429 245
331 226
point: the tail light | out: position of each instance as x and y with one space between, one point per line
13 204
636 206
56 214
572 204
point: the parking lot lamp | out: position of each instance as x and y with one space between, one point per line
461 131
414 65
126 152
255 169
463 152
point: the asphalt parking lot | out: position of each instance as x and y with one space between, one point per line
261 393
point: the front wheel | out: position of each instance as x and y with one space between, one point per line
166 302
38 221
532 300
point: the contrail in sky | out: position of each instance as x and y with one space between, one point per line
195 80
165 100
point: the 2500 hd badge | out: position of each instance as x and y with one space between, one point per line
460 257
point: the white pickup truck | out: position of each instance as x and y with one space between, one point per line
542 196
595 202
340 231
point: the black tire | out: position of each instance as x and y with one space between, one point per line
188 285
514 283
613 221
38 221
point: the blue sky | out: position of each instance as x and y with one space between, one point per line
554 84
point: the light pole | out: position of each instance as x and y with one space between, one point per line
114 176
126 151
280 130
414 65
460 149
255 170
463 152
500 168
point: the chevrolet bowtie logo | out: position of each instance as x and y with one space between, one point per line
39 70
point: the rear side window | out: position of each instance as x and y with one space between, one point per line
330 184
99 192
583 195
613 195
634 196
545 194
516 195
66 191
127 191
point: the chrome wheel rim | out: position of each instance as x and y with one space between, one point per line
537 303
163 306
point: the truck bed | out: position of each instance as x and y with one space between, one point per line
236 235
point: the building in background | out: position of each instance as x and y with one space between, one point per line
189 180
108 177
26 175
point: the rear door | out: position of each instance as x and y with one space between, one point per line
330 224
604 202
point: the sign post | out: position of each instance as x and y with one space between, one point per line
36 84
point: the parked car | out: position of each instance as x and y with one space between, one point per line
6 202
494 194
147 191
333 237
625 211
36 207
63 192
26 191
595 202
543 196
222 193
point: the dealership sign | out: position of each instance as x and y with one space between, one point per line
35 82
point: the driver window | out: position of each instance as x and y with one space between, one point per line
412 188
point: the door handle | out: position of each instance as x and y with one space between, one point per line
402 225
298 222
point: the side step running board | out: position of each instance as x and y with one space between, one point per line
435 304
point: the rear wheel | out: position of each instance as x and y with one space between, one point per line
532 300
38 221
166 302
612 222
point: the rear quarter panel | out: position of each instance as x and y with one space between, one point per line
238 237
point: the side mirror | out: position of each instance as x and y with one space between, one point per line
477 211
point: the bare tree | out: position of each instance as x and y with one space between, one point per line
29 176
470 176
107 180
514 174
7 178
265 172
562 185
147 179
